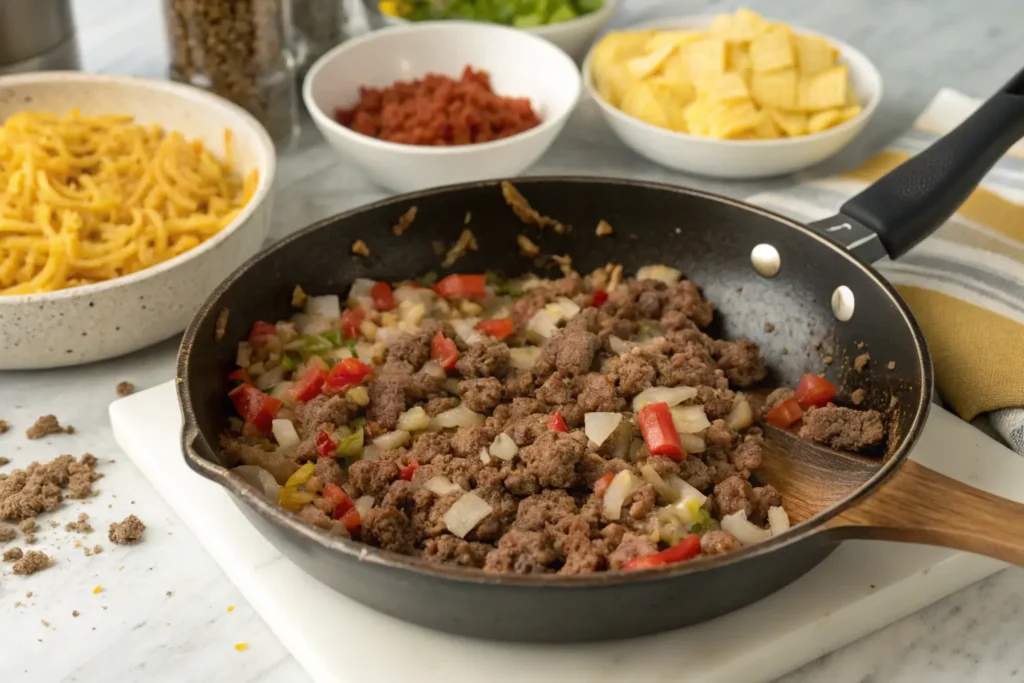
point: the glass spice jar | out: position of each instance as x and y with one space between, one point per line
320 24
241 50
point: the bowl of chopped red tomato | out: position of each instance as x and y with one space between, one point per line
414 115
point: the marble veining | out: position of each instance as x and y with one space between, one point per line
166 602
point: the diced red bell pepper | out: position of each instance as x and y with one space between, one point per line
600 297
260 331
557 423
325 445
409 470
444 351
351 318
350 372
240 375
785 413
383 297
814 391
499 328
601 485
655 422
342 502
308 385
462 287
352 520
686 549
254 406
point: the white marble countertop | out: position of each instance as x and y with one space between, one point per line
163 612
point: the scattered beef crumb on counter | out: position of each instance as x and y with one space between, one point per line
571 425
46 425
406 220
81 525
4 461
41 487
125 389
13 554
33 561
28 526
127 531
7 533
4 426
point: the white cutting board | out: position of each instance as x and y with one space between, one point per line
858 589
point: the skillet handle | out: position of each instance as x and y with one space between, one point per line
919 505
915 198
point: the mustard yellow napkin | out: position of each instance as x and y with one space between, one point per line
965 284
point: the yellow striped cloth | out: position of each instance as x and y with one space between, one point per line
965 284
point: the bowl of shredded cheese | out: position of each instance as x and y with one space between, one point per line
123 203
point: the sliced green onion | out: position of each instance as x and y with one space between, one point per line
289 362
357 423
314 344
334 337
427 280
351 445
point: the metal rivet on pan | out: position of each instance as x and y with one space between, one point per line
842 303
766 260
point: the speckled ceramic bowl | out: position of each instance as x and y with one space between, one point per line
109 319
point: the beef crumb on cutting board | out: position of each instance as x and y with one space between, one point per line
46 425
127 531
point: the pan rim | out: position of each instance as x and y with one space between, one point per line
389 560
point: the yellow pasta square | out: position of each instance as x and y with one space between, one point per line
772 49
619 46
738 60
791 123
641 103
642 67
848 113
775 88
673 99
766 128
723 88
675 39
814 54
676 68
732 119
706 57
827 90
613 83
696 118
740 27
824 119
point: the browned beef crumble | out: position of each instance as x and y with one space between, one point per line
4 426
545 516
31 562
125 389
126 532
46 425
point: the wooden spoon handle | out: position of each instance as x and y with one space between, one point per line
919 505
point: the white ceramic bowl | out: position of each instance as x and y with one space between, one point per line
734 159
574 36
112 318
520 64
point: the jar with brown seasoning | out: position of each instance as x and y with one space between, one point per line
241 50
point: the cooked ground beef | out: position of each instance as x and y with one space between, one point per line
542 486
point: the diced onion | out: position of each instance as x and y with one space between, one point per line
618 492
395 439
318 324
269 379
258 477
422 295
652 477
620 346
687 510
359 294
684 489
503 447
414 420
280 391
690 419
389 335
663 273
691 443
672 396
300 320
465 328
441 485
741 416
778 520
451 385
542 326
433 369
244 355
599 426
485 457
466 513
565 309
524 357
459 416
328 306
336 355
745 532
364 504
284 433
365 352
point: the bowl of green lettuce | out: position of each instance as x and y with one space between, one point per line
570 24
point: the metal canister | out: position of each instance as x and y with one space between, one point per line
37 35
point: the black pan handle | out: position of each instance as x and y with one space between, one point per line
914 199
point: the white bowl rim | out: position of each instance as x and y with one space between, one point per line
323 119
697 20
266 176
546 30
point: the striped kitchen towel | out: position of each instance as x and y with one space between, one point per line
965 284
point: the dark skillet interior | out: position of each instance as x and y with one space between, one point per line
710 239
